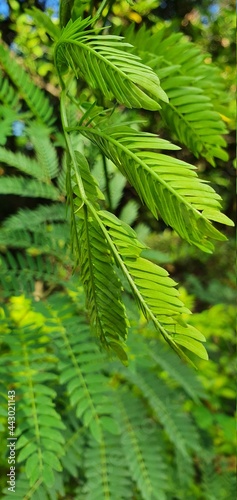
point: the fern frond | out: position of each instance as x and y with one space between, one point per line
20 273
183 475
217 484
103 289
143 460
52 240
152 281
34 97
171 364
129 212
22 162
30 188
81 371
89 182
106 471
191 115
168 186
8 95
152 288
44 149
75 442
189 83
103 63
178 426
39 428
32 219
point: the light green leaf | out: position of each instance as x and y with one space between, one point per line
104 64
192 345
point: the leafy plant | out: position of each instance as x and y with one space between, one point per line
77 407
115 432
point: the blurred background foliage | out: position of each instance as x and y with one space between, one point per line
208 281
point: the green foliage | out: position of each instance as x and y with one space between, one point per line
121 423
80 287
191 86
34 97
166 185
103 63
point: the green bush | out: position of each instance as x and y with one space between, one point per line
103 409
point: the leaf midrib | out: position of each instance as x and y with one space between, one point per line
99 56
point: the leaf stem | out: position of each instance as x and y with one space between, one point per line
70 147
106 174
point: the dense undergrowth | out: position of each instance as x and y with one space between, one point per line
104 408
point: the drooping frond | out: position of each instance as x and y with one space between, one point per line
153 282
22 186
168 186
103 63
151 286
34 97
22 162
103 288
44 149
190 85
90 184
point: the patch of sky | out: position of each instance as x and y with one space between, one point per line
4 9
18 128
53 5
214 8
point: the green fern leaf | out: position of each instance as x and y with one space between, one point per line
81 369
8 94
32 219
143 460
178 426
103 289
89 182
34 97
22 162
37 418
190 84
171 364
168 186
31 188
152 288
103 63
20 273
45 151
105 470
